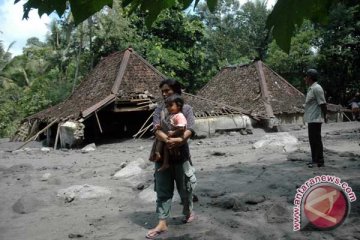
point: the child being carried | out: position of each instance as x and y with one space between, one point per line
174 104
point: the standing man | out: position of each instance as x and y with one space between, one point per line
315 114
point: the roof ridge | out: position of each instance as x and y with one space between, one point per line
264 89
121 71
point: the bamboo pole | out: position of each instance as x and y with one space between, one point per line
145 129
36 135
346 117
140 130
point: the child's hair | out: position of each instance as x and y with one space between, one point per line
175 98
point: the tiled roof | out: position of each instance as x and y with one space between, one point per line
240 86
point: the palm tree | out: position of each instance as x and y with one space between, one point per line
5 59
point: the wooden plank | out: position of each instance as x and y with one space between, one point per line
131 109
144 103
98 105
121 72
264 90
140 100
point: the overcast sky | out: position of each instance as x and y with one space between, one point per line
14 29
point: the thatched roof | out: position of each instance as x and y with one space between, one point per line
122 75
255 88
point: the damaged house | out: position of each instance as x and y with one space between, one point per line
112 101
258 89
262 94
115 100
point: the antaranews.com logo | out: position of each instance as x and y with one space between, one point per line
322 202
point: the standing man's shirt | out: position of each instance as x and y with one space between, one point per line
314 98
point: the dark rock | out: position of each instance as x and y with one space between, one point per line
216 153
140 186
27 204
75 235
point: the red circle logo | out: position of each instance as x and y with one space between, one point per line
326 207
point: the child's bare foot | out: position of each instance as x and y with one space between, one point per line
157 156
163 167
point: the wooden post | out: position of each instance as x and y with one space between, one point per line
48 133
57 136
98 121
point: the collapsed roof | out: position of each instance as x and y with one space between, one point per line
122 75
256 88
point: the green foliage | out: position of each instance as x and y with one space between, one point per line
82 9
10 110
236 34
302 56
174 46
287 14
339 54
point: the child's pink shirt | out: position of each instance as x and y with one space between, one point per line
178 120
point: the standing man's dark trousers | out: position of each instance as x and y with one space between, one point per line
314 130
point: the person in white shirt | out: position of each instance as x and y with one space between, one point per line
315 115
